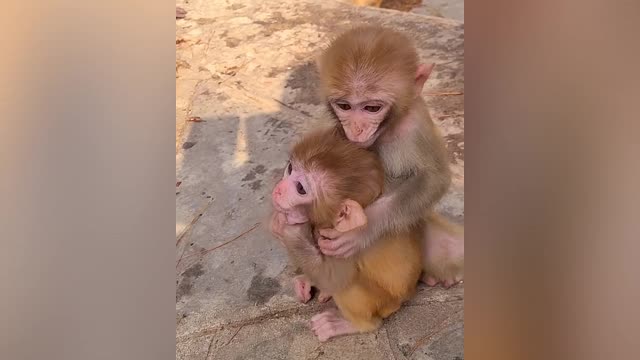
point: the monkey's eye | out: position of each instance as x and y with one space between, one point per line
289 168
344 106
300 188
373 108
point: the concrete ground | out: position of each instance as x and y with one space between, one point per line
452 9
245 91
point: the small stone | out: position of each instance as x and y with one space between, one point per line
188 145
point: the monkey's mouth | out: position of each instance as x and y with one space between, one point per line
370 140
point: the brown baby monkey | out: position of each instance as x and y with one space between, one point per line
372 81
327 184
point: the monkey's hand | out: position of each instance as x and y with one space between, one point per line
277 225
344 245
296 238
339 244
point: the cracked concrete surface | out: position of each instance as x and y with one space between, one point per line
245 86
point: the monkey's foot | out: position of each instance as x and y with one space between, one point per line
323 297
446 283
329 324
302 287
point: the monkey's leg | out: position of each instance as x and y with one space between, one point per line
330 324
358 306
390 308
443 253
302 287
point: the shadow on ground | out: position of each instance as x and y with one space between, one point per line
233 284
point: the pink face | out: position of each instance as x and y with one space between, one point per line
360 118
291 194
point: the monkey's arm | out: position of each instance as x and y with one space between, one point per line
328 274
406 200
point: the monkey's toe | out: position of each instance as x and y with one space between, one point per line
323 297
329 324
451 282
324 316
430 281
302 288
446 283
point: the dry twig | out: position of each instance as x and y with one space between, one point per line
194 220
423 340
204 252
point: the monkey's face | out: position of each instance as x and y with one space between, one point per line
292 194
360 117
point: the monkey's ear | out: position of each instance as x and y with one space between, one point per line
422 75
351 216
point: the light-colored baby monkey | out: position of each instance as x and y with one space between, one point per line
327 184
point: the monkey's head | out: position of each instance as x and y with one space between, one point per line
328 182
369 77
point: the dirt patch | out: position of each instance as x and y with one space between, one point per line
262 289
185 287
402 5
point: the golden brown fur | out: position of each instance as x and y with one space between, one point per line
374 3
387 276
371 286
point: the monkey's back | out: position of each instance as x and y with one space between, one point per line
394 264
387 275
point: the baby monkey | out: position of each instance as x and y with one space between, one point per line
327 184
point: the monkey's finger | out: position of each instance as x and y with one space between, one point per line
342 250
334 253
330 245
327 252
